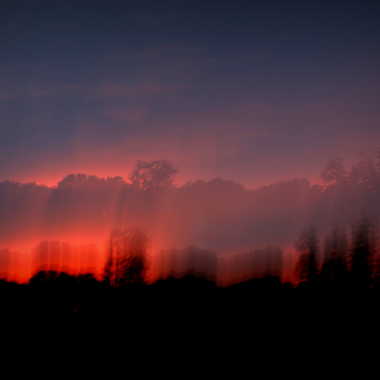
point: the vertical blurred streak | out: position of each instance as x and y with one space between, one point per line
5 260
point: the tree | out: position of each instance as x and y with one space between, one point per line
362 254
308 247
126 262
364 173
334 270
152 175
334 171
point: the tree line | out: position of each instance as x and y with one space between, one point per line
336 260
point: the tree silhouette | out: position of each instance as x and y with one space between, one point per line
152 175
364 173
334 171
362 255
334 270
308 246
126 262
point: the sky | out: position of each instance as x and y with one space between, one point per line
255 92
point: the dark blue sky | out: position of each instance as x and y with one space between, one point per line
254 93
